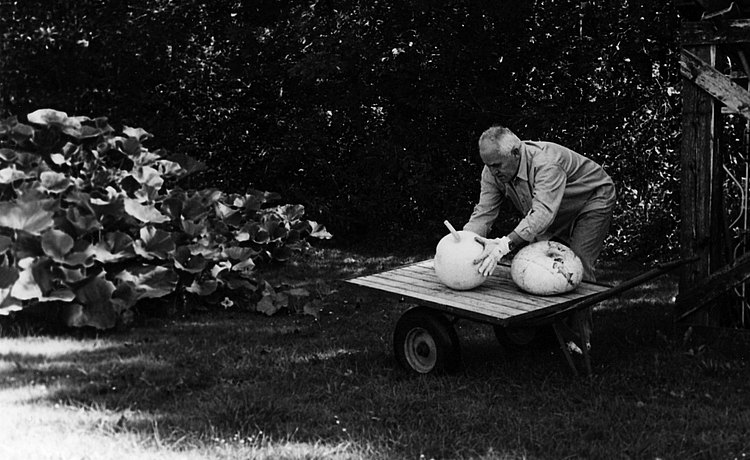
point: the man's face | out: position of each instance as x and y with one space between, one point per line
502 165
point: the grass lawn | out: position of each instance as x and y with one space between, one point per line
236 385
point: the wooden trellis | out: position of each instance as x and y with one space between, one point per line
711 29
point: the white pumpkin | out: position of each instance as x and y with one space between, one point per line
546 268
454 260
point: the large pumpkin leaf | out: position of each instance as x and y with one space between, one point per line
30 216
7 154
170 169
21 133
5 243
292 212
71 275
319 231
54 182
267 304
8 303
186 261
139 134
241 257
83 219
69 125
97 290
144 213
236 253
265 197
47 140
207 250
189 164
49 117
26 160
193 228
85 132
149 281
27 245
58 295
26 287
56 243
44 272
125 296
276 230
204 287
96 307
150 181
245 266
229 215
59 159
238 280
148 176
114 247
250 203
143 156
220 267
108 204
8 276
254 232
172 204
195 207
59 246
131 146
10 174
154 243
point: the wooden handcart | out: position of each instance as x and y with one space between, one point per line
425 340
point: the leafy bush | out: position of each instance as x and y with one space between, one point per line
92 223
368 113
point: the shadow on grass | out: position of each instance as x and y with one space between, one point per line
233 375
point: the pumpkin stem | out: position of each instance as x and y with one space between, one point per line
453 231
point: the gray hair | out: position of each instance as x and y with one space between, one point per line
505 139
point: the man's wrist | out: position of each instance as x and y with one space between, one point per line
516 240
505 244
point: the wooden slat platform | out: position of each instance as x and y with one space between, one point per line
497 301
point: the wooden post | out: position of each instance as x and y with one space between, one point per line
704 232
700 118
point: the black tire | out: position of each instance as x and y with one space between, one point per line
516 338
425 342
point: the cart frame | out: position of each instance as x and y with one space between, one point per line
497 302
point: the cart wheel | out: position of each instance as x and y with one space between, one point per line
515 337
425 342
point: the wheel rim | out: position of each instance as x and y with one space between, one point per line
420 350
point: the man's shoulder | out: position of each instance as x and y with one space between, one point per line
547 146
546 152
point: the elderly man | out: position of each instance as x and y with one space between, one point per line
561 194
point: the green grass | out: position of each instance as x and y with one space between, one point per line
237 385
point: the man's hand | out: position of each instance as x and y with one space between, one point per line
494 251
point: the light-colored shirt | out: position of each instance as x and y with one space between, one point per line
553 186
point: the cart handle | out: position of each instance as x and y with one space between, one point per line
611 292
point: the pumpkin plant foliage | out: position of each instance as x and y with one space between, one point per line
92 223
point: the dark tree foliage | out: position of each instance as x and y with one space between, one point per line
368 112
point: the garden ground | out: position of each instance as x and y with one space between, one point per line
233 384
